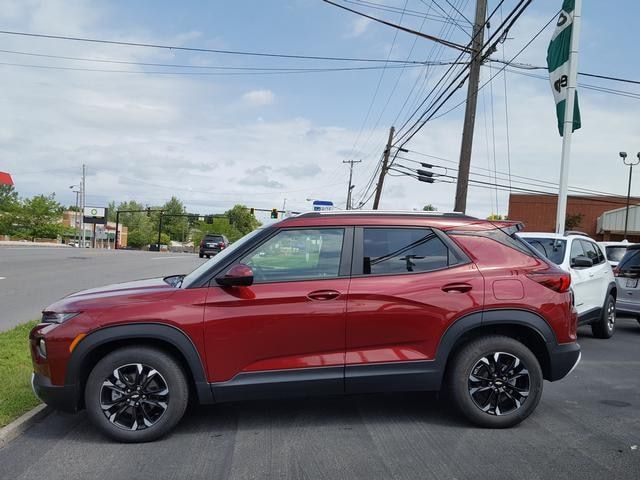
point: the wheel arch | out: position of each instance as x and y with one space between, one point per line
164 337
522 325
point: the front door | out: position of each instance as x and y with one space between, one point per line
286 332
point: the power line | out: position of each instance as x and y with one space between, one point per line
200 49
392 9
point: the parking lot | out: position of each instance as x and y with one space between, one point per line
33 277
587 426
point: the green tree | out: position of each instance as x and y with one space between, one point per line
176 227
40 217
9 207
241 219
573 221
220 225
496 216
429 208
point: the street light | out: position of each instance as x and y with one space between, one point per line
631 163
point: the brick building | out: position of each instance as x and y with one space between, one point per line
538 211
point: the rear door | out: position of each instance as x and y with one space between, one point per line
407 286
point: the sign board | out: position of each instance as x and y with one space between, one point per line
97 215
322 205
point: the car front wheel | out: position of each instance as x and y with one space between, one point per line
606 325
495 381
136 394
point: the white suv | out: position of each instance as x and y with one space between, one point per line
592 279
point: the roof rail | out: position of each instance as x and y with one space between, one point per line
458 215
576 232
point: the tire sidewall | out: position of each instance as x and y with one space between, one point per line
467 358
165 365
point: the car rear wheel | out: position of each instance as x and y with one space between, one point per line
606 325
201 255
136 394
495 381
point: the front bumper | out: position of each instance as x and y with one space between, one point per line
60 397
563 359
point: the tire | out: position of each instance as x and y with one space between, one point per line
606 325
201 255
208 256
141 416
489 406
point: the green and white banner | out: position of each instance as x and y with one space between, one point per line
558 64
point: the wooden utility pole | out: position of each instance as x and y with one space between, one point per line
470 111
383 171
350 162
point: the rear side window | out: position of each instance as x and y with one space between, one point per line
403 250
552 248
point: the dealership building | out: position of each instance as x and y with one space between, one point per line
601 217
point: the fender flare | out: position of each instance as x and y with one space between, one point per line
611 286
521 318
154 331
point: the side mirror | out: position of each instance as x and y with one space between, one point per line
239 275
582 262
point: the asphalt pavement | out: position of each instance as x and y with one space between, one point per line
33 277
587 426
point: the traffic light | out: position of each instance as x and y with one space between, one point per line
424 176
274 213
253 211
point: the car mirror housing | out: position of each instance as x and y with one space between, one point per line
582 262
239 275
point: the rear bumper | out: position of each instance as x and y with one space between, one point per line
631 308
209 251
60 397
563 359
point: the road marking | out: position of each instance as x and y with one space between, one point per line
166 258
3 278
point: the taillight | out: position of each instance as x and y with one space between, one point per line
616 271
221 245
556 280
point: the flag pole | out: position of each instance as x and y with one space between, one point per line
568 119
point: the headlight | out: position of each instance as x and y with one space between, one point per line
41 346
52 317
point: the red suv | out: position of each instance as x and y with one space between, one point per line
322 303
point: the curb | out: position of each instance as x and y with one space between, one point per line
23 423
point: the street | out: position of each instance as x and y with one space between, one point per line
33 277
586 426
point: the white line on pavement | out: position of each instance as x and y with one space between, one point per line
165 258
3 278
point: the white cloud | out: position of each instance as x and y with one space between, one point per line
258 98
358 27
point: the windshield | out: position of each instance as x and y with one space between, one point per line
552 248
190 278
615 253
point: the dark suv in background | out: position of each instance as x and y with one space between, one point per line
321 303
212 244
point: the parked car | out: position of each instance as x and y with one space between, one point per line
627 274
365 302
592 279
614 251
212 244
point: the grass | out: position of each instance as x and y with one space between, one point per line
16 396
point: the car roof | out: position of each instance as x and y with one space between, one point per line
624 243
441 220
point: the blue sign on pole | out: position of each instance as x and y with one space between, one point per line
321 205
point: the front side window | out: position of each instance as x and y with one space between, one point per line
576 250
592 252
403 250
297 255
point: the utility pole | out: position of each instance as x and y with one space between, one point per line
350 162
383 171
82 203
470 110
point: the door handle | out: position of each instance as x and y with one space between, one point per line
323 295
457 288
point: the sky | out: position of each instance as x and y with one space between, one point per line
216 137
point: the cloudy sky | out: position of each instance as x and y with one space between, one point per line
215 137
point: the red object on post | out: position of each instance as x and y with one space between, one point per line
5 179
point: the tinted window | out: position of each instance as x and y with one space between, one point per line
402 250
631 259
551 248
297 255
592 252
213 238
615 253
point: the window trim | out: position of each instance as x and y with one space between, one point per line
344 269
358 251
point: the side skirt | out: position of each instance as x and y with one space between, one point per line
590 316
